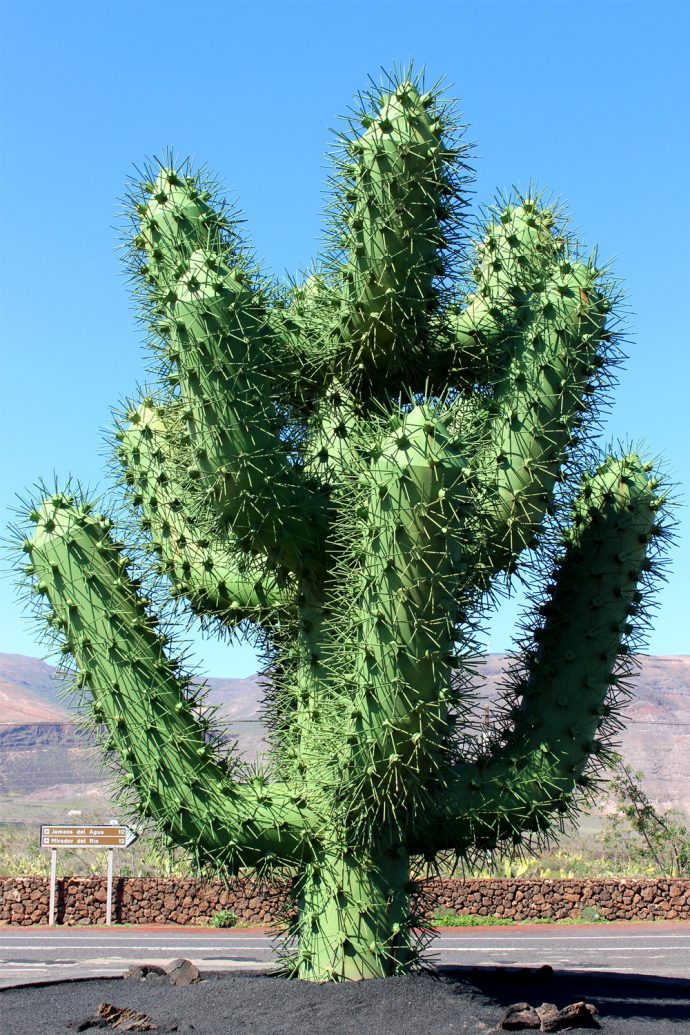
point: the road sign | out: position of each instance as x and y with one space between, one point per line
87 837
109 836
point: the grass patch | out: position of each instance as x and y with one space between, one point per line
452 920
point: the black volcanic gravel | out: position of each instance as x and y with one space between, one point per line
457 1000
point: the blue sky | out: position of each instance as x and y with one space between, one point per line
590 100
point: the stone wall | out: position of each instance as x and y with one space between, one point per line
634 898
138 900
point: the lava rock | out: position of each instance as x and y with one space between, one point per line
520 1016
577 1015
547 1011
141 971
182 972
547 1017
124 1018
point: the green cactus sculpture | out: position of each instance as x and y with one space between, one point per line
355 465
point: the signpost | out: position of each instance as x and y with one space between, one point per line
109 836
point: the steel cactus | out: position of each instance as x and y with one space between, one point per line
355 464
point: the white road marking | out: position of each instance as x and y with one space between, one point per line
51 970
145 945
521 939
512 948
8 977
25 964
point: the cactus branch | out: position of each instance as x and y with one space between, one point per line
139 695
552 356
560 702
218 580
212 322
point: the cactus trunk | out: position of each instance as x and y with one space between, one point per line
354 467
353 916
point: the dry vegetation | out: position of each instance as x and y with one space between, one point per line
634 840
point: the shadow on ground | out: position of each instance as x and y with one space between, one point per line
618 997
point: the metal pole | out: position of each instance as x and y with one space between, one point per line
53 878
109 892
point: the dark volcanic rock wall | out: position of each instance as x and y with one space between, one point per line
137 900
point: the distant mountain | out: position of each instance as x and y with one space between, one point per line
29 691
656 737
42 754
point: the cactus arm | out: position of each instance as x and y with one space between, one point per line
217 580
521 247
560 703
532 336
213 323
140 697
396 178
536 409
402 608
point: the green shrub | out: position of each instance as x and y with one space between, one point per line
225 918
591 915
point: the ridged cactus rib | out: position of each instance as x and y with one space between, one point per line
346 465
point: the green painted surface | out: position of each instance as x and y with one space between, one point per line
350 464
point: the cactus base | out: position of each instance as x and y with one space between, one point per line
353 919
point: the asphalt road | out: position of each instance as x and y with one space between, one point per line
41 954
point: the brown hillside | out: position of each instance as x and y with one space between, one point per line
28 691
40 755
